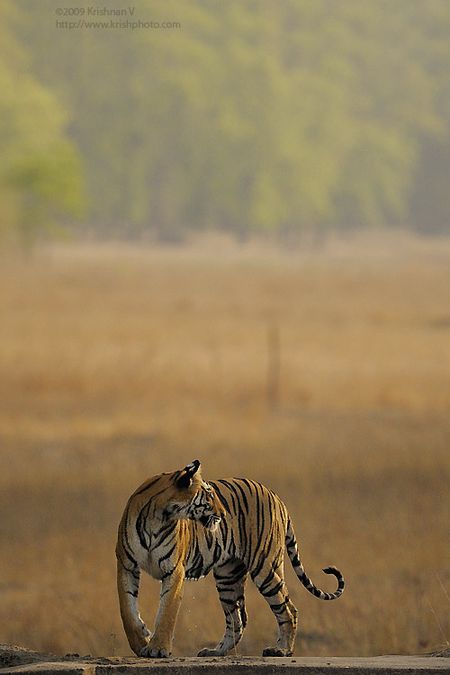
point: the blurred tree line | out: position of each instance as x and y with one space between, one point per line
40 168
287 117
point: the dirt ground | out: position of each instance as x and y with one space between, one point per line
13 655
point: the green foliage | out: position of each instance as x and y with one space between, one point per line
40 173
283 117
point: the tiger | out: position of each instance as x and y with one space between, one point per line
177 526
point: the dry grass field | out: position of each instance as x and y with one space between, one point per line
119 362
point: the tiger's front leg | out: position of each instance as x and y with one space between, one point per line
160 644
128 589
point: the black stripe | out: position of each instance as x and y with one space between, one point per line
262 556
147 486
140 526
244 497
167 555
273 591
221 497
234 494
279 608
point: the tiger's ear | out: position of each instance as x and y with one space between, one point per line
184 480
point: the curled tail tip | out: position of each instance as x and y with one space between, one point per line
332 570
341 582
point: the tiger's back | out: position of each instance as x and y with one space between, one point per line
257 522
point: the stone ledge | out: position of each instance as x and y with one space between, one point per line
380 665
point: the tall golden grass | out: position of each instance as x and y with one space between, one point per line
117 363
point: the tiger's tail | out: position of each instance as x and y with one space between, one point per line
292 549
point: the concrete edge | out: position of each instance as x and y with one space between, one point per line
381 665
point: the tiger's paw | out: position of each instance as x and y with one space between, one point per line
276 651
151 651
210 652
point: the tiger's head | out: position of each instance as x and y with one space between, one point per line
193 498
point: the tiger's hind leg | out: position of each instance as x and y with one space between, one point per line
272 587
230 581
